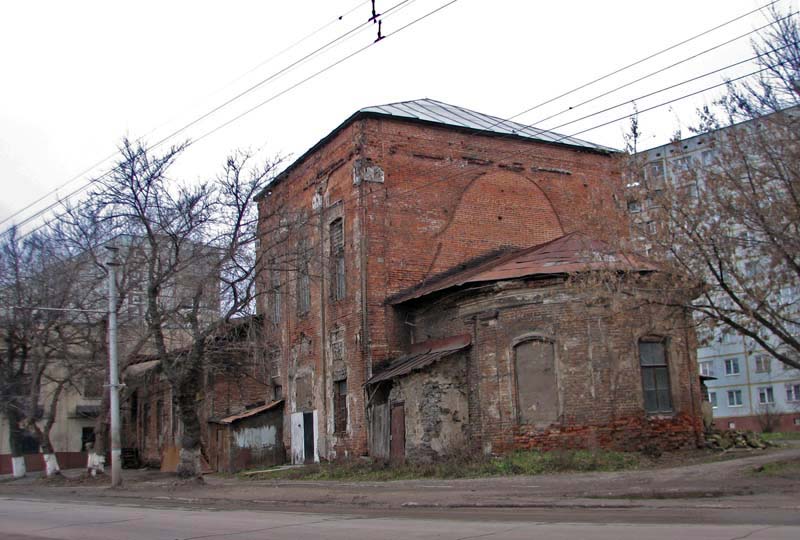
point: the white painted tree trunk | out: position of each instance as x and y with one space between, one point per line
96 463
18 466
51 467
189 464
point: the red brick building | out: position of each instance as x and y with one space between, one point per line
394 198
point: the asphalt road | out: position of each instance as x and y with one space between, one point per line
37 520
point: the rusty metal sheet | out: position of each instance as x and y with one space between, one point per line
250 412
574 252
422 355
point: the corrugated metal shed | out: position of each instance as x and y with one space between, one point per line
249 412
422 355
430 110
574 252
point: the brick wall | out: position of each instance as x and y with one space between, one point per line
597 367
446 197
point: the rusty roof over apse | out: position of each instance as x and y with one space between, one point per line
249 412
574 252
421 356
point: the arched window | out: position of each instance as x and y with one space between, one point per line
655 375
537 388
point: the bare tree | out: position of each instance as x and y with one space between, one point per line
46 323
733 223
196 246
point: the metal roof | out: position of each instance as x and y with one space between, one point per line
574 252
249 412
422 355
430 110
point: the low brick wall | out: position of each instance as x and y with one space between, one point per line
35 462
627 434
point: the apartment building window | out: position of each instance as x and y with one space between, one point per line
655 376
712 398
634 207
765 395
734 398
762 363
337 259
340 406
731 366
793 392
707 368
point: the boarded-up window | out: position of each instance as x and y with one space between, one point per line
337 259
655 376
537 391
340 406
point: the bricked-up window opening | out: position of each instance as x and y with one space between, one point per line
655 376
303 281
537 388
337 259
274 297
340 406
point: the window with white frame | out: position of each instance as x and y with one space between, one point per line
634 207
707 368
765 395
734 398
712 398
731 366
762 363
793 392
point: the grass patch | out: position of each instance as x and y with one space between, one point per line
785 436
788 468
517 463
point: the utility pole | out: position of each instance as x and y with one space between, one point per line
113 370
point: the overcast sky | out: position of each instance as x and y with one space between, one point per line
80 75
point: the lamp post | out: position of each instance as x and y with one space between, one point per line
113 370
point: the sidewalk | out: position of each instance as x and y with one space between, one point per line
725 484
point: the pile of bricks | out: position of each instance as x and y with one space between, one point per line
730 439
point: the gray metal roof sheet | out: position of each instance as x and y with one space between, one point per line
430 110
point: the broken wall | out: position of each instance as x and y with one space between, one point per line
436 410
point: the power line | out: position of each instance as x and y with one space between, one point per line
662 70
110 156
669 102
260 83
225 124
637 62
664 89
321 71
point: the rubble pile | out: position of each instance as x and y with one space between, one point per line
732 438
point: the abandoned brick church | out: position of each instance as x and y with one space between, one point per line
419 299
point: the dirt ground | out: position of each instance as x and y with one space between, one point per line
757 478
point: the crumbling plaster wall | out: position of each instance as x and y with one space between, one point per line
436 410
